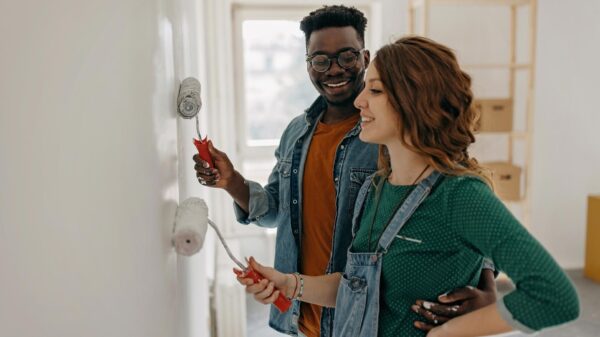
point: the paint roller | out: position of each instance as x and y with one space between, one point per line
191 217
189 103
189 231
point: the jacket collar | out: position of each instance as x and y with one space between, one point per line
316 110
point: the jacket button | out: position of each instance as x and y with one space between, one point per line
295 171
294 201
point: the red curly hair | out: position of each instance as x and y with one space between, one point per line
433 98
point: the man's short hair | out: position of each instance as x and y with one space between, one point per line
334 16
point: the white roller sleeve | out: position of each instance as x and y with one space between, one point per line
191 224
189 101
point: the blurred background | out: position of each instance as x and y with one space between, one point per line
94 158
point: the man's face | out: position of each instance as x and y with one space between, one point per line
338 85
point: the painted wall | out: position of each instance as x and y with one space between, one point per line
89 170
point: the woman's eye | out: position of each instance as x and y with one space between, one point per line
375 91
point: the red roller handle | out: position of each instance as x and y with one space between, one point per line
202 147
282 303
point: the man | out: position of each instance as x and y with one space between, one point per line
321 165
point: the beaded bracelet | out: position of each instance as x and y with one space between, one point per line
301 291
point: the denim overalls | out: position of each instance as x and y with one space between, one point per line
357 303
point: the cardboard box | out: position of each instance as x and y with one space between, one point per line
592 244
496 115
507 180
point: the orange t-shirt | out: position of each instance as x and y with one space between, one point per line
318 211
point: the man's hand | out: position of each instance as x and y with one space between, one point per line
220 175
224 176
456 302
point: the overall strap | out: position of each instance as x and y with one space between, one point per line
360 200
407 209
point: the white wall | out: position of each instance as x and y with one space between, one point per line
88 175
566 131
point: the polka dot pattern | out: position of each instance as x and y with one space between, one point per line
442 247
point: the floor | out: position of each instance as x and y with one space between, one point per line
588 325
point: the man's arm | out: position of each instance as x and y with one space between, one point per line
253 202
239 191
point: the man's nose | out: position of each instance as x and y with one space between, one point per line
335 69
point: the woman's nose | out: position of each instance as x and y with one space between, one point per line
359 101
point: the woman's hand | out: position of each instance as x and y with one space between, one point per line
267 290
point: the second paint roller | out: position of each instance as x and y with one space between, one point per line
189 231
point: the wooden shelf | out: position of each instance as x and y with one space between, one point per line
514 134
522 200
497 66
520 134
420 23
420 3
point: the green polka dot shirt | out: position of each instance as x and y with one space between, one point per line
442 247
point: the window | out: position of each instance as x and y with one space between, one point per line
271 82
275 87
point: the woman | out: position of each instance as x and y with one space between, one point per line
428 217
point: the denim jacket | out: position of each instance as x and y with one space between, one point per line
279 203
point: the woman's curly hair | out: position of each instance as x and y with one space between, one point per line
433 98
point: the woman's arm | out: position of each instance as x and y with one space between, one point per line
320 290
543 295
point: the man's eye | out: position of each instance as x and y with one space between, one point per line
319 60
347 58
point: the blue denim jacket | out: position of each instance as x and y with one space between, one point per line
279 203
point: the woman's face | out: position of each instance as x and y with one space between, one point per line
379 120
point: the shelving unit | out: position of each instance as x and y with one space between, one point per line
516 104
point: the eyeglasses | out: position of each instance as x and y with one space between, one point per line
346 59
